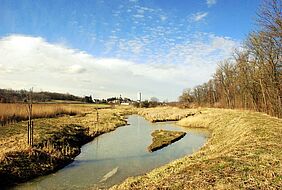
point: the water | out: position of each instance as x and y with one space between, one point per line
124 152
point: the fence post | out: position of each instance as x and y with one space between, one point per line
30 122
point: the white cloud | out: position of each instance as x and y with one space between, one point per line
199 16
211 2
33 62
2 69
140 11
163 18
74 69
223 43
138 16
133 46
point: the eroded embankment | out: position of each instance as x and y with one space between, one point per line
57 143
46 156
244 152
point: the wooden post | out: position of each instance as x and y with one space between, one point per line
97 118
31 134
140 99
30 122
28 132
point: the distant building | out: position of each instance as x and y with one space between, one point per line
125 104
120 100
113 100
98 101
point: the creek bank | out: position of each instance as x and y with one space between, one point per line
49 155
164 114
163 138
243 152
104 161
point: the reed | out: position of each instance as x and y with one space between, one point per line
13 136
11 113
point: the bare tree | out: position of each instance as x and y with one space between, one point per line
186 96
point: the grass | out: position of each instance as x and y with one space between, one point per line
56 140
243 152
13 136
11 113
163 138
160 114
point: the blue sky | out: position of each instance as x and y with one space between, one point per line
163 37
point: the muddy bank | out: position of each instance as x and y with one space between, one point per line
45 157
54 150
104 161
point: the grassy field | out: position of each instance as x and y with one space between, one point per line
15 112
56 140
243 152
160 114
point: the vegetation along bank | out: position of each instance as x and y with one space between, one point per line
56 141
243 152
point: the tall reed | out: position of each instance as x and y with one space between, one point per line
10 113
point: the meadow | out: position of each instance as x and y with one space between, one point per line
243 152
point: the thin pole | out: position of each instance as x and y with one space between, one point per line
140 99
28 133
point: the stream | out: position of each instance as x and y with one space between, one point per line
112 157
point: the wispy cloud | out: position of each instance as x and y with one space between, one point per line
199 16
32 61
211 2
163 18
138 16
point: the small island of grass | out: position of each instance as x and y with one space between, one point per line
163 138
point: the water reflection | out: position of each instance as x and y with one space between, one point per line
124 149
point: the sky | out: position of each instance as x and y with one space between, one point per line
108 48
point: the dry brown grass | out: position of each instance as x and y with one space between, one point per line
56 141
244 152
166 113
10 113
13 137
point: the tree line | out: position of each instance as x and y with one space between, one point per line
12 96
252 77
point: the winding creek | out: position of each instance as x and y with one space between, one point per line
112 157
